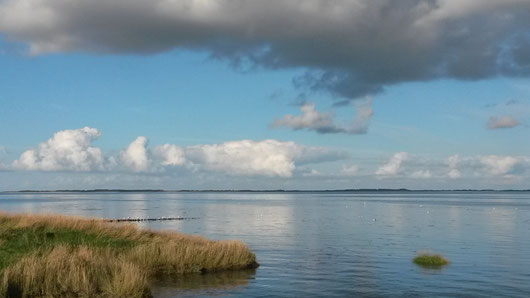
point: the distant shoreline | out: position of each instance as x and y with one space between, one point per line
360 190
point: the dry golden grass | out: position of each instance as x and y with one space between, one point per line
66 271
89 257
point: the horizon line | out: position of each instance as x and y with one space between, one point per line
261 190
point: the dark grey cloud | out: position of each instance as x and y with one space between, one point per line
349 48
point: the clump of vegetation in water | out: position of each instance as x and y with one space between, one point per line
430 260
59 256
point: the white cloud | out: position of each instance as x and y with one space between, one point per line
499 165
243 164
452 162
323 122
350 170
66 150
421 174
169 155
310 119
391 168
266 158
488 166
246 157
71 150
135 155
502 122
239 158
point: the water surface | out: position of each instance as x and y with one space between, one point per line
334 244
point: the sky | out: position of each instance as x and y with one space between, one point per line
300 94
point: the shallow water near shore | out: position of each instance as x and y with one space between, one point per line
334 244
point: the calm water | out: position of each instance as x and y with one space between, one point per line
335 244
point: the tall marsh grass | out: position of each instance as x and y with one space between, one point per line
60 256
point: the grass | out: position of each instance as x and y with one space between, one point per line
430 260
60 256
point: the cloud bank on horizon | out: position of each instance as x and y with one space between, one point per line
349 48
71 151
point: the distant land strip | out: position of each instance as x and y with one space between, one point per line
263 191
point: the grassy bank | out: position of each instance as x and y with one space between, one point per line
61 256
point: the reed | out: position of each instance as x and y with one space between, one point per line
53 255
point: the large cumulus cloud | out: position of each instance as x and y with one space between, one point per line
348 47
135 155
71 150
67 150
269 157
246 157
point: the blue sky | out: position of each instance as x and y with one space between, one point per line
204 102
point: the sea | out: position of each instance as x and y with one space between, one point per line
341 244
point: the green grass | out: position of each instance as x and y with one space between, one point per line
60 256
15 243
430 260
